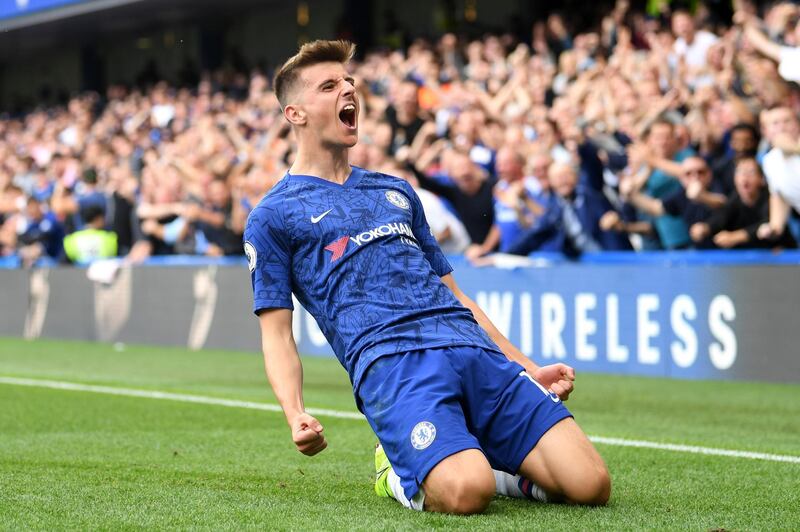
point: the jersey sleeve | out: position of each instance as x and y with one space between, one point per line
427 242
269 258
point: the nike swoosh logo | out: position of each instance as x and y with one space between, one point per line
315 219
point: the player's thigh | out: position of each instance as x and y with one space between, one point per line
462 483
567 466
508 410
413 403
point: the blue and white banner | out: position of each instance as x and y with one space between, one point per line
692 321
687 321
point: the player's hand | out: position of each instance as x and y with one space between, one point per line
307 435
557 378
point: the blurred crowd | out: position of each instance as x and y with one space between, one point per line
652 132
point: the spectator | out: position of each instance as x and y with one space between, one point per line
93 242
121 194
469 190
515 208
693 202
570 224
536 180
782 168
211 218
68 203
657 161
449 232
403 115
691 46
787 57
744 140
177 169
735 224
34 233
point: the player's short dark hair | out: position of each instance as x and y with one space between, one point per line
309 54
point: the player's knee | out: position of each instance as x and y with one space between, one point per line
594 489
469 494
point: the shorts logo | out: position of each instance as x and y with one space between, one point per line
397 199
422 435
252 256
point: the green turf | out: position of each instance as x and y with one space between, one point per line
76 460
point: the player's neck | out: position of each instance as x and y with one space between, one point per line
331 165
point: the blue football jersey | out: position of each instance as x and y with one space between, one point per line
361 259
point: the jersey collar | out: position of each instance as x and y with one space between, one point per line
355 176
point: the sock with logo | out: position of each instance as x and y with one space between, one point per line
415 503
517 487
387 483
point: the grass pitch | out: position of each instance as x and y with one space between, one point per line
78 460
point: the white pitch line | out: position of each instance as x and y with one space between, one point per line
696 450
216 401
154 394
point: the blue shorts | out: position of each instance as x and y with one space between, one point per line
427 405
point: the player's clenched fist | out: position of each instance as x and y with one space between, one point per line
556 378
307 435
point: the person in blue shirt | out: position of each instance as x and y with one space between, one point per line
515 206
39 233
69 203
571 221
459 411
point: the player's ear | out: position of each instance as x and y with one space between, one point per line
295 115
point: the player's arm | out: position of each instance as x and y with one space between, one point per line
557 377
285 374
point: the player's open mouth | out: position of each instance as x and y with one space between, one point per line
348 116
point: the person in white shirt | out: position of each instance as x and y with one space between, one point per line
787 57
782 168
450 233
447 229
690 44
